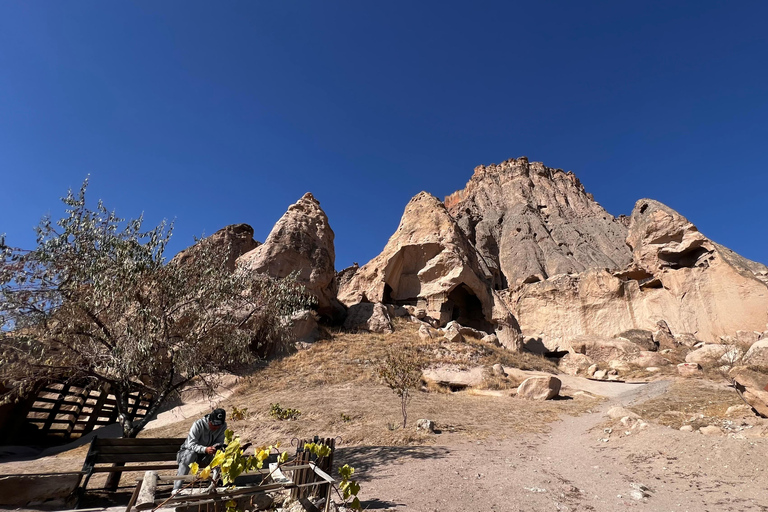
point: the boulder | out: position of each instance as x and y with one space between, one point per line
430 264
370 317
643 338
452 333
688 369
492 339
711 430
30 489
301 241
574 364
235 240
498 370
663 336
604 349
426 332
454 377
426 425
305 327
707 354
539 388
757 355
754 388
646 358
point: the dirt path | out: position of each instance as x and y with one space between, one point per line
575 466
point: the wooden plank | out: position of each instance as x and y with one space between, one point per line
160 450
148 467
140 441
112 458
146 498
135 495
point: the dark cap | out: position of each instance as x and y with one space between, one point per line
217 417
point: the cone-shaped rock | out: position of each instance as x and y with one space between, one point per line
429 263
530 222
302 240
236 238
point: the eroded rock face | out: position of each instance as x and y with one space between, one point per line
236 239
429 264
679 280
530 222
302 240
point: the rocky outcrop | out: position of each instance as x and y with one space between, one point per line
429 264
235 240
678 279
301 241
530 222
369 317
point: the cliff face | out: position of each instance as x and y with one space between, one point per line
530 222
677 275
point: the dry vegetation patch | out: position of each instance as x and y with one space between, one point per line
694 402
335 386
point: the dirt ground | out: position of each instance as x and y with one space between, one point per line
583 461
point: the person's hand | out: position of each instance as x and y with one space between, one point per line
210 450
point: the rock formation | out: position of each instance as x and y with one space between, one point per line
429 263
677 275
530 222
301 241
236 238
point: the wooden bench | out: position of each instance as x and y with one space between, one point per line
118 452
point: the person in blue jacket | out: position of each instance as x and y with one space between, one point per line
200 446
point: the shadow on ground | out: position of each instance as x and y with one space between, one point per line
366 458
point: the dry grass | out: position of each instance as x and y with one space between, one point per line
693 401
336 379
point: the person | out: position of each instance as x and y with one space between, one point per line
201 444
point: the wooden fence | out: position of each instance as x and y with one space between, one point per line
308 476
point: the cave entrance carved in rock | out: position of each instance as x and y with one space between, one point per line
463 306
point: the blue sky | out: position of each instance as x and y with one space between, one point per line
218 113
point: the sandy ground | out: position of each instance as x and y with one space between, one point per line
575 465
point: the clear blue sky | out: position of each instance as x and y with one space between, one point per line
213 113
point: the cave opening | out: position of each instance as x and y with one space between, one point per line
467 309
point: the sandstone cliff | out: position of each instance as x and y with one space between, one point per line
429 263
302 241
676 275
236 239
530 222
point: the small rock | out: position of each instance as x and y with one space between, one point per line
599 374
591 370
711 430
739 410
498 370
616 413
425 424
686 428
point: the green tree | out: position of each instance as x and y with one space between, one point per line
96 301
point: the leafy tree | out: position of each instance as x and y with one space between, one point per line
96 301
401 371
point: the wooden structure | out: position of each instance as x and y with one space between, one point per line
117 452
68 411
214 500
308 476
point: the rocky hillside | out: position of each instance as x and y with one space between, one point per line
530 222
